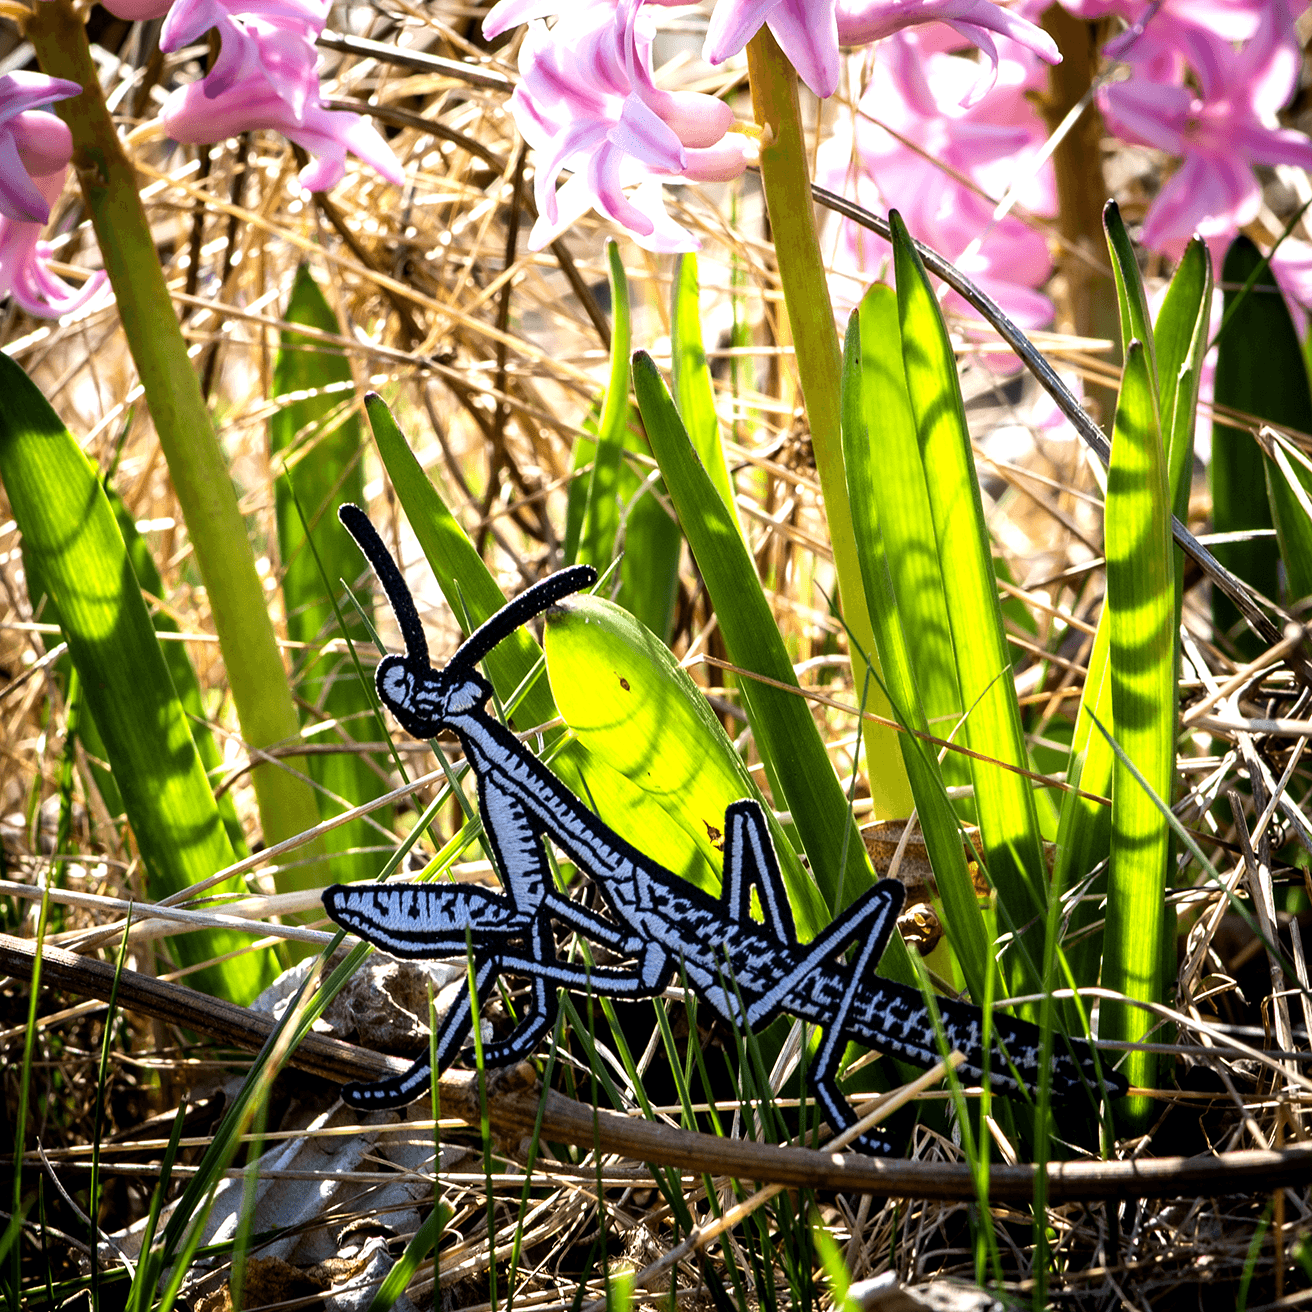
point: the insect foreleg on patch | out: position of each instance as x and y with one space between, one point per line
425 921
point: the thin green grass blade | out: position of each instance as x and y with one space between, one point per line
694 394
1181 335
602 518
615 509
1255 374
1140 600
1004 803
576 506
866 467
902 513
632 706
466 582
320 451
425 1240
98 1124
785 733
68 525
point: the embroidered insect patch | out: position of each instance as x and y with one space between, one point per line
748 971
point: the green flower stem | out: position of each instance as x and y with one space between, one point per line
196 464
819 366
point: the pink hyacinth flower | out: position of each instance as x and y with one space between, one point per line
811 31
961 150
266 77
587 103
35 148
30 142
138 11
1221 132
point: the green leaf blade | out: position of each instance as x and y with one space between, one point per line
631 705
1007 815
1259 372
786 735
694 394
1140 600
865 470
466 582
321 453
69 527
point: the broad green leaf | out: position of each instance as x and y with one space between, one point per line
1255 374
1260 372
785 733
181 670
466 582
1141 603
320 452
44 608
901 503
694 393
866 466
69 529
632 705
1004 803
1084 835
1136 324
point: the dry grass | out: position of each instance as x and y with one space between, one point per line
490 361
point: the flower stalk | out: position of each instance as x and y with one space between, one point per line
786 179
196 464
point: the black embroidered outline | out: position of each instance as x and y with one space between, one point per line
747 971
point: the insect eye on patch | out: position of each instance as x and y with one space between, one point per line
748 970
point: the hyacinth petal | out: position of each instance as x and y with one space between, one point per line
188 20
733 24
569 203
25 277
583 137
807 32
19 198
44 142
1207 196
604 178
1147 113
862 21
20 92
1274 145
640 133
360 137
666 236
138 11
506 14
719 163
988 78
41 292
